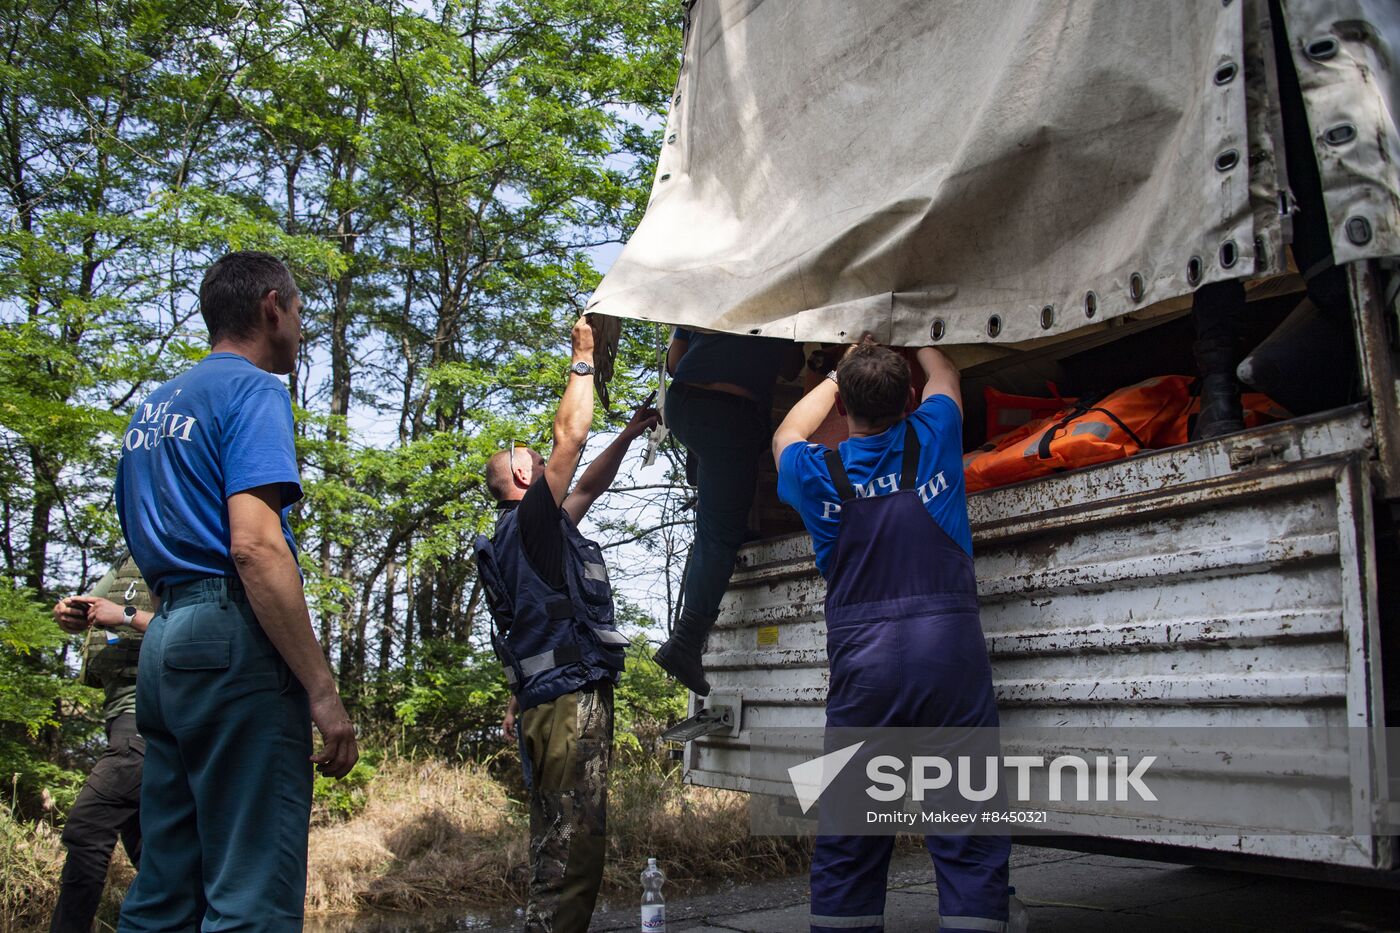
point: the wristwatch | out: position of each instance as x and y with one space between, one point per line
832 376
129 615
581 368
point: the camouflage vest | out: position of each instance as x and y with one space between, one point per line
110 655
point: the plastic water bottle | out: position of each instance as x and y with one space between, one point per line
653 904
1018 918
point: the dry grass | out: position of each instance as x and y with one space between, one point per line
699 835
428 833
432 835
31 858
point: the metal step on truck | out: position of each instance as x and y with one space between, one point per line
1039 189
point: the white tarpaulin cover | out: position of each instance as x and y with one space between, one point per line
975 171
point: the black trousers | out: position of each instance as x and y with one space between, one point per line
1312 234
108 807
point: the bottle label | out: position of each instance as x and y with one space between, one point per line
653 918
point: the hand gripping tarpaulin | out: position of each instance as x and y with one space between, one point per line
989 171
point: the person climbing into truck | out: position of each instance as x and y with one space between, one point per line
552 612
719 407
887 514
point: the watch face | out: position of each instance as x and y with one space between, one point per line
582 368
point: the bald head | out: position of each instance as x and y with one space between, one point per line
510 472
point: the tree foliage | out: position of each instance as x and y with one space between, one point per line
441 177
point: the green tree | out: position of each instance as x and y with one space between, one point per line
33 691
438 175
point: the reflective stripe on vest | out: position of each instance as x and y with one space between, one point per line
609 636
549 641
558 658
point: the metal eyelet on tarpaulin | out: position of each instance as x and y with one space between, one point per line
1351 88
783 208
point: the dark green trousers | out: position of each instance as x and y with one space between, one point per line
226 797
567 746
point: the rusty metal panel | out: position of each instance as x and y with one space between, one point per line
1170 590
1377 327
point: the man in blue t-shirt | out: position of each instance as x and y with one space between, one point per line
888 518
230 678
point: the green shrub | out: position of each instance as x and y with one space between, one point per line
341 799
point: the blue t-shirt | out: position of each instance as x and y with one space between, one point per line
873 465
222 428
751 362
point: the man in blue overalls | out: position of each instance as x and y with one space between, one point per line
888 520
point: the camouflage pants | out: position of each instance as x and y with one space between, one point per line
567 747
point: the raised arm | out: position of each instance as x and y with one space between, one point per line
804 418
941 376
574 418
270 578
603 470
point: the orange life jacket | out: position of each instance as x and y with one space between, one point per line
1007 412
1150 415
1125 421
1259 410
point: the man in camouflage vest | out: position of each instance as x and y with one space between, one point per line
114 616
554 630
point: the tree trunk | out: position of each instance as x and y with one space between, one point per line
37 553
386 624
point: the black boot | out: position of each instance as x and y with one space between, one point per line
1220 390
1214 307
680 655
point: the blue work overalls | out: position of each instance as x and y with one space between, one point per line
906 650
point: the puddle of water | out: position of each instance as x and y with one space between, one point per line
453 920
611 914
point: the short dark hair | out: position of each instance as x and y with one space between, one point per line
500 470
498 478
233 288
874 383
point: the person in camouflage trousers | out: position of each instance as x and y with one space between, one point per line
569 740
114 616
554 630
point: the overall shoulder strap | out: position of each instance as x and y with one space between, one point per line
908 475
844 489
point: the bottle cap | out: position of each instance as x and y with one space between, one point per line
651 863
